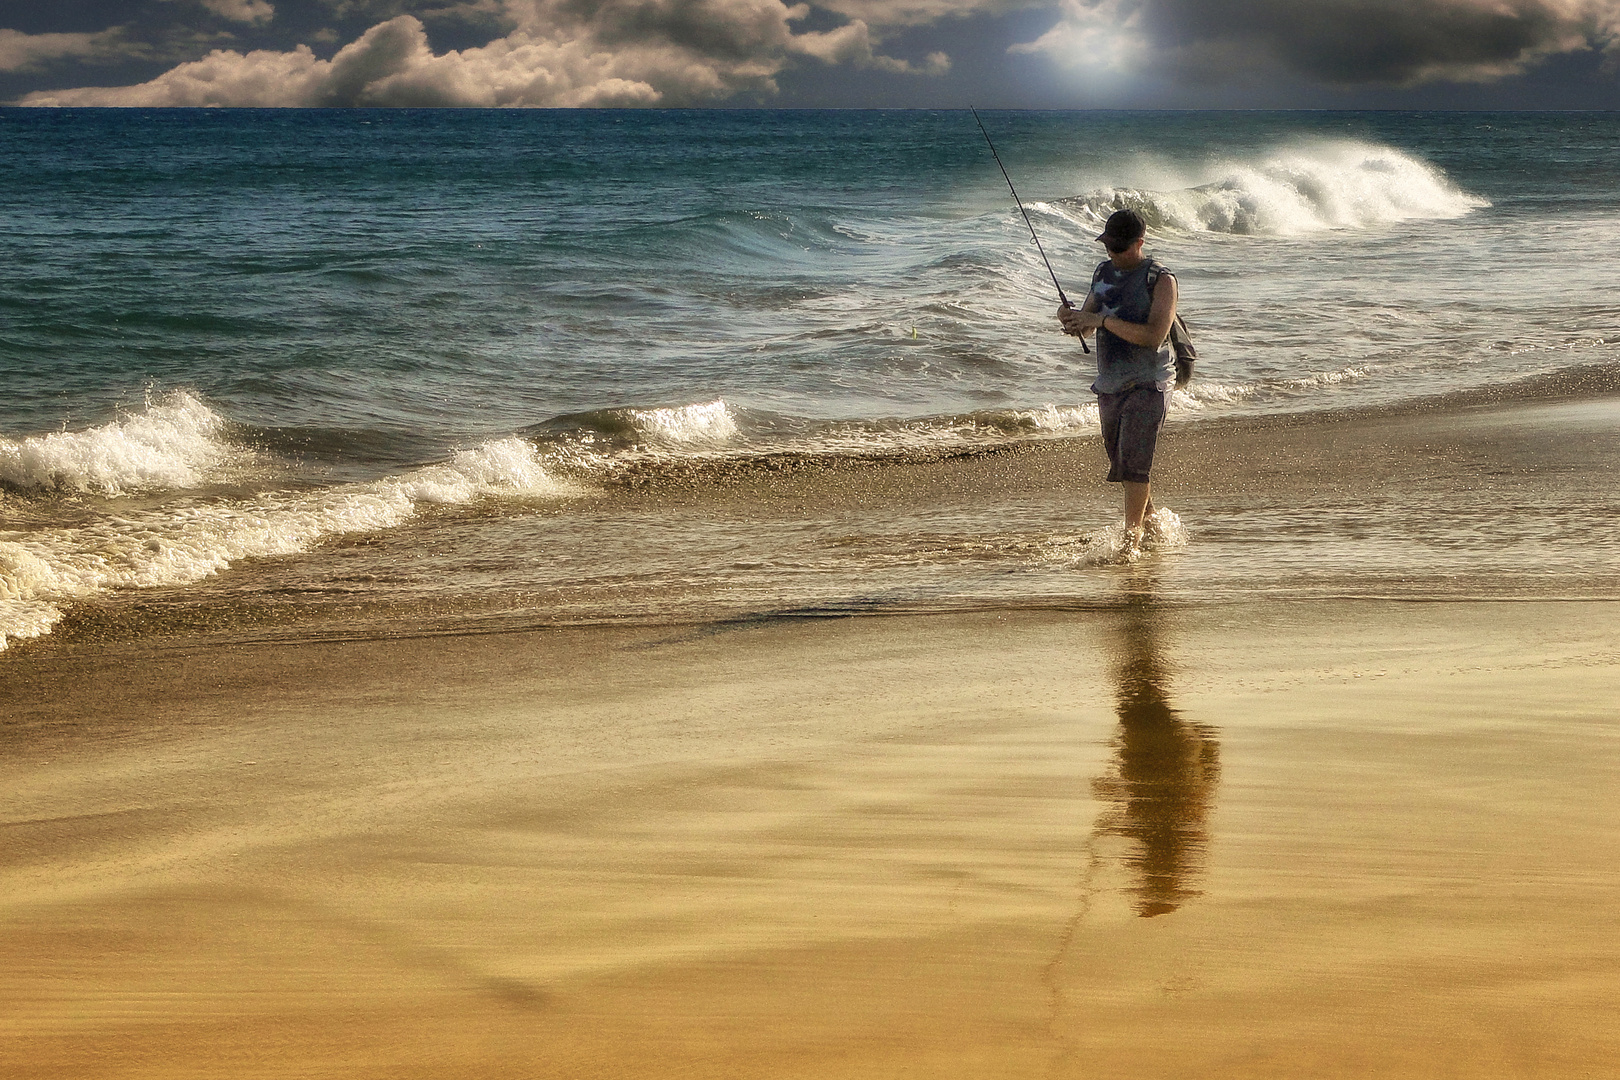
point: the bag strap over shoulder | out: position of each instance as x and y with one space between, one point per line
1155 269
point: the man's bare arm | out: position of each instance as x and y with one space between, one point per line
1151 333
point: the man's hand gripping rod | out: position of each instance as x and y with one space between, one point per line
1021 210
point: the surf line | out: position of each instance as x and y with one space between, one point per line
1028 222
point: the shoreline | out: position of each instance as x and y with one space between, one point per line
1482 499
1154 827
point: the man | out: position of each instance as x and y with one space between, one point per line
1130 309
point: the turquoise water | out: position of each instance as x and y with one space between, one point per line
240 335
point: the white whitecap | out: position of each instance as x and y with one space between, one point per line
1312 187
173 443
1059 418
1327 378
706 424
1199 395
180 545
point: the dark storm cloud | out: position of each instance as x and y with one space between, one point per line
1384 41
1335 42
34 52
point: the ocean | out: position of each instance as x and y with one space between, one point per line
298 374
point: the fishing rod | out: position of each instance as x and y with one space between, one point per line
1028 222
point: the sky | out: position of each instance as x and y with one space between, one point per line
1284 54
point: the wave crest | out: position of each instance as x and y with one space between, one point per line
709 423
1315 188
1058 419
184 544
174 443
703 425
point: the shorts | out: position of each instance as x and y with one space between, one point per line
1131 421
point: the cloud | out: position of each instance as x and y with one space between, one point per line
852 44
244 11
29 52
557 53
1337 42
893 13
426 10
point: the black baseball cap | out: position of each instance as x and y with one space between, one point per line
1124 228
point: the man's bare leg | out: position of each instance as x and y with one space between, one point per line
1138 505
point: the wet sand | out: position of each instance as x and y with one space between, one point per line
1352 838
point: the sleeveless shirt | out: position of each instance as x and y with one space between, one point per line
1122 365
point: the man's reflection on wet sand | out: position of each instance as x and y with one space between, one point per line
1164 774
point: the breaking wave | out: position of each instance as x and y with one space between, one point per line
177 446
706 424
1306 189
187 542
175 443
604 444
186 530
1328 378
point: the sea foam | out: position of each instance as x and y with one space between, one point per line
175 442
1058 419
707 424
182 544
1308 188
1164 532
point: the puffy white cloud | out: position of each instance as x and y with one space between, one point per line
1342 42
245 11
557 53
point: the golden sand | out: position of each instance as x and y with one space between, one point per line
1328 840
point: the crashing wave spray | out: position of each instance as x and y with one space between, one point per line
174 444
1312 188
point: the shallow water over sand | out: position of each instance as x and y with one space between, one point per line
1504 495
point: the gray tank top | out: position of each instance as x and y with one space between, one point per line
1121 365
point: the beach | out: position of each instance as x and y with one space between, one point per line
633 593
1369 839
1126 834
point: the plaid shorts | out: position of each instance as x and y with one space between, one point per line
1131 421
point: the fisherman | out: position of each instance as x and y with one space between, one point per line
1130 309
